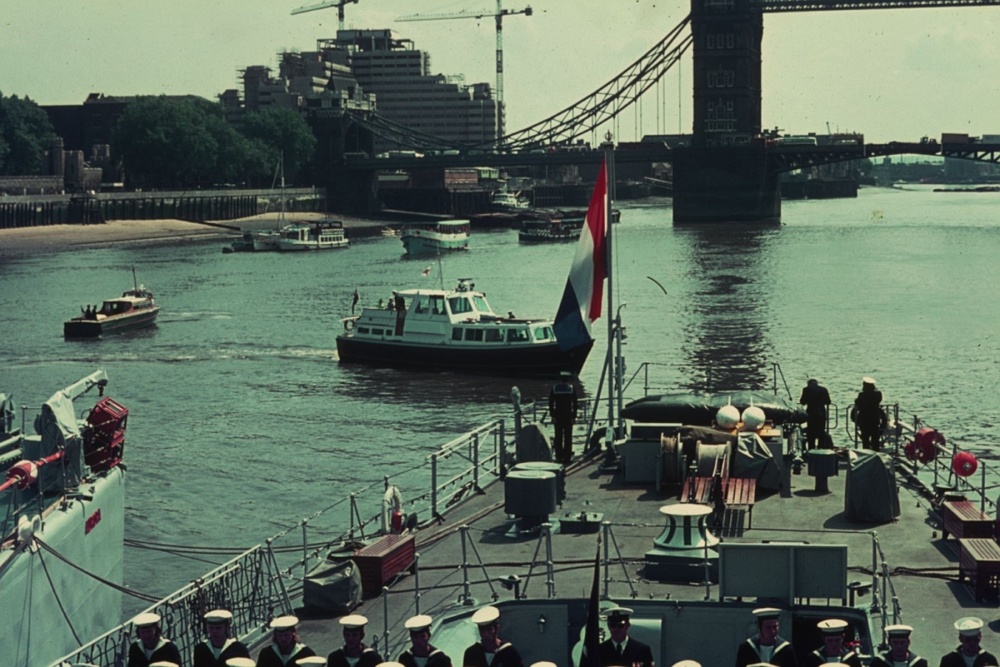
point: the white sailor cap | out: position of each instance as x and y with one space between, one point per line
687 663
219 616
762 664
969 626
163 663
898 630
149 618
868 379
284 623
765 613
616 615
311 661
486 616
418 623
353 621
390 664
543 663
240 662
832 626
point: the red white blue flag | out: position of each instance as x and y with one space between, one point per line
584 293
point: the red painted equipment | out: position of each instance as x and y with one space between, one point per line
964 464
105 445
24 473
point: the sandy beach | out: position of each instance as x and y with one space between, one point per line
58 238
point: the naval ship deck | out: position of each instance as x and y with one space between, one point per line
918 571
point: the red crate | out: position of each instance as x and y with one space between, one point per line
382 560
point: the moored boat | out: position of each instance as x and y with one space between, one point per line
134 309
329 235
551 230
62 520
506 201
432 238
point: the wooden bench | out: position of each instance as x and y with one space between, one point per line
979 560
382 560
963 519
742 491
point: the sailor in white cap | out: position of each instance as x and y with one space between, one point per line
354 653
490 650
899 652
766 646
421 652
219 647
285 647
969 652
868 415
151 646
621 649
833 648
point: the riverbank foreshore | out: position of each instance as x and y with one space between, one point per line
23 241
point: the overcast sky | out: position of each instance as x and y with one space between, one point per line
892 74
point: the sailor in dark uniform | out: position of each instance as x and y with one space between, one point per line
833 649
867 413
563 407
899 649
151 646
219 647
817 400
766 646
621 649
285 647
490 650
354 653
969 652
421 653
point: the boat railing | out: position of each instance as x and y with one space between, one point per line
249 585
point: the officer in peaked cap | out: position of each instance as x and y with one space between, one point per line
899 649
151 646
766 646
969 652
621 649
420 645
490 650
354 653
833 648
285 647
219 647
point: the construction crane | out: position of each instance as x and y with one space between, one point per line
498 15
339 4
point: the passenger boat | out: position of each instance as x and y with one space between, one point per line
134 309
313 236
551 230
62 523
455 330
690 525
506 201
432 238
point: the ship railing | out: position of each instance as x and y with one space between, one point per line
455 472
249 585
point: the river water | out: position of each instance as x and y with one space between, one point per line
242 422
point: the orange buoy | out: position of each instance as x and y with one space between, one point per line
964 464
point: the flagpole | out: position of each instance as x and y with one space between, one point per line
609 162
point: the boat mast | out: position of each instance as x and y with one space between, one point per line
613 365
135 284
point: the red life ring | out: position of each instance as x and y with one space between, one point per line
926 443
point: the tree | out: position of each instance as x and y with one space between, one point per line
25 133
283 132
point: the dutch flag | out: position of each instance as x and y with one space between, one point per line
581 301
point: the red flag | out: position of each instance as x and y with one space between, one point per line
426 272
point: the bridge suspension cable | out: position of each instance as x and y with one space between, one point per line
609 100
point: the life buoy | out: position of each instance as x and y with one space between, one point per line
349 324
392 510
964 464
926 443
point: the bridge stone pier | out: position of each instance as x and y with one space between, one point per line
725 184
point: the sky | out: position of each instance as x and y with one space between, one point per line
897 74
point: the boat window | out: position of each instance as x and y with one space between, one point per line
460 304
517 335
363 330
421 304
542 333
481 305
494 335
437 305
456 333
474 334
